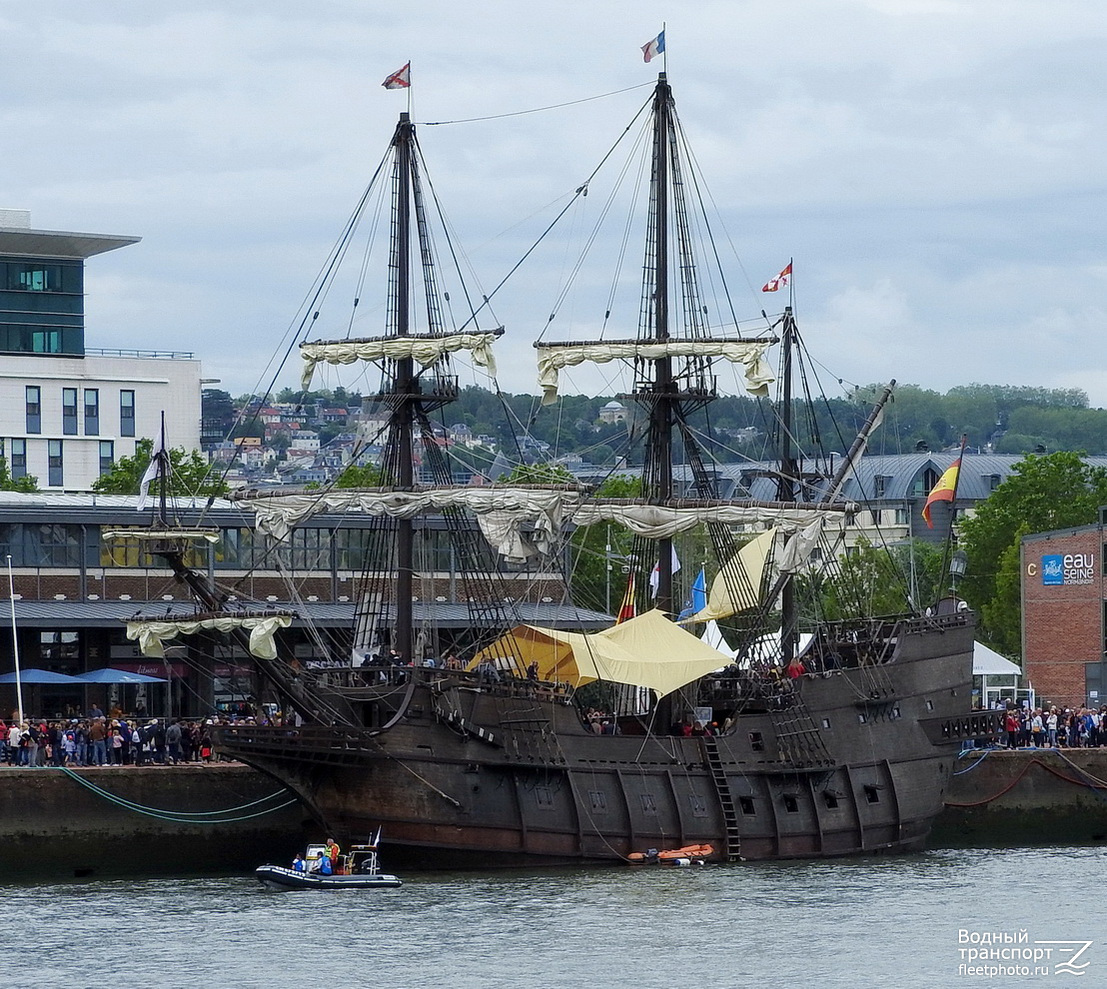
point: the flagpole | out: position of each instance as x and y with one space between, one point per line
948 545
410 93
15 643
665 53
792 284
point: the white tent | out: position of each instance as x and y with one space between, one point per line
766 648
988 662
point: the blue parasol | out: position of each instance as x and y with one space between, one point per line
39 676
108 675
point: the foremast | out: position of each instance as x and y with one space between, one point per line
417 380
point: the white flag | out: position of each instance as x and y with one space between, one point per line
157 453
655 574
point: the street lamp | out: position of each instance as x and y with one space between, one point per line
958 564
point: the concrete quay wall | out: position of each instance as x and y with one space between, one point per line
51 825
1005 797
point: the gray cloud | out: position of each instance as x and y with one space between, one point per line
934 166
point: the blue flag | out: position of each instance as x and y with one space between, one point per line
698 601
699 592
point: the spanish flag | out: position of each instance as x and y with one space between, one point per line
943 490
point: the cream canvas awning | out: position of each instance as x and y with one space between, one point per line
648 651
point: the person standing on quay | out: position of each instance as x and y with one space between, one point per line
173 742
30 748
98 753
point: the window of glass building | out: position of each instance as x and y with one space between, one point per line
48 545
126 413
107 456
19 459
69 411
34 277
46 341
34 409
92 412
54 461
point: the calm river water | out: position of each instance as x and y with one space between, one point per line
857 923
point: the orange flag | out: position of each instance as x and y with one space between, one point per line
627 609
943 490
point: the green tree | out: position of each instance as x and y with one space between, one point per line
874 580
26 483
359 476
1053 491
540 473
192 474
590 582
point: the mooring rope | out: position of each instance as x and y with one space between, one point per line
1096 788
183 816
962 754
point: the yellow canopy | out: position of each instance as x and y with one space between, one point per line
647 651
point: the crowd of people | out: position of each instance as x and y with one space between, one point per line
98 740
1053 727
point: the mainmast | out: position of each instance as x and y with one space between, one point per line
404 385
662 394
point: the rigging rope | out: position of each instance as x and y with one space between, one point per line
537 109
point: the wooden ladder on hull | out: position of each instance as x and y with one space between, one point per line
726 798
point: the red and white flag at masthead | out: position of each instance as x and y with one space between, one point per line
401 79
780 281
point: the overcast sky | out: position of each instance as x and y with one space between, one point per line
935 167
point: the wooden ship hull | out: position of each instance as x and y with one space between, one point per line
469 774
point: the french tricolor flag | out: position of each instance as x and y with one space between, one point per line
653 48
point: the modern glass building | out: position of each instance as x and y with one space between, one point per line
68 412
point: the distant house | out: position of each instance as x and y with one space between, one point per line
613 412
304 441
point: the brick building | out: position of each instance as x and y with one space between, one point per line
1063 610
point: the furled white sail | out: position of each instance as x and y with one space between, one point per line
152 635
425 350
662 521
751 353
161 535
501 513
797 550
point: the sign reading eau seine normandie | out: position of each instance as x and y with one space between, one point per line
1068 568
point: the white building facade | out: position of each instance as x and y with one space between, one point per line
67 413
